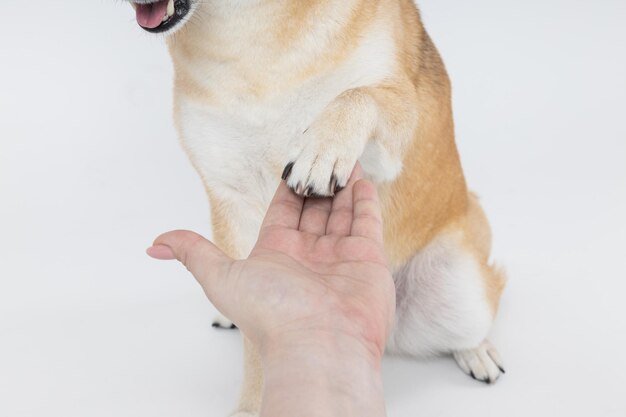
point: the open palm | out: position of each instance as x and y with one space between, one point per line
318 268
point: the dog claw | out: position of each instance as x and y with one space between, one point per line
333 185
219 326
481 363
287 171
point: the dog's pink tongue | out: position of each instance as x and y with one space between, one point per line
151 15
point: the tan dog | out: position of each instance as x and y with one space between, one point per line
307 88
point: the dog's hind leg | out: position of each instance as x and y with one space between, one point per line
447 297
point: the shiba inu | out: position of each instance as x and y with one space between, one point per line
303 90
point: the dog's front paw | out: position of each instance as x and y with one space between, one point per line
322 159
222 322
321 167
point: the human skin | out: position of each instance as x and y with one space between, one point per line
315 297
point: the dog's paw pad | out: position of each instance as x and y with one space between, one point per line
482 363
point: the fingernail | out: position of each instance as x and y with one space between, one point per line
161 252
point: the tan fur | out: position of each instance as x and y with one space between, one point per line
252 387
431 191
223 234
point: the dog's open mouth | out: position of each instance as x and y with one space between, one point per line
160 16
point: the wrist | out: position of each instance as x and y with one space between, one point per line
321 374
331 345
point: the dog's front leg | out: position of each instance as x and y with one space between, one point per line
236 224
373 124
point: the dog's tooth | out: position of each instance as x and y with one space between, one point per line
134 5
170 8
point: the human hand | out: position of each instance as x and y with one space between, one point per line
317 273
315 297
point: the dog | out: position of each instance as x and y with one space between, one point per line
302 90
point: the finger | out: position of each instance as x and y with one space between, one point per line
208 264
285 209
340 220
161 252
367 218
315 215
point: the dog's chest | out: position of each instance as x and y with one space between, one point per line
242 144
239 138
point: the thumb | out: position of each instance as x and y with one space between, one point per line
208 264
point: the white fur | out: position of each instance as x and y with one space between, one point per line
379 164
441 301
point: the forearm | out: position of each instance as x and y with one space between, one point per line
335 378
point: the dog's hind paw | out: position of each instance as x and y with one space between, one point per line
482 363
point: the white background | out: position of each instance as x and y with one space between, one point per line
91 172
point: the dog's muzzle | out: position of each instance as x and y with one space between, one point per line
162 15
